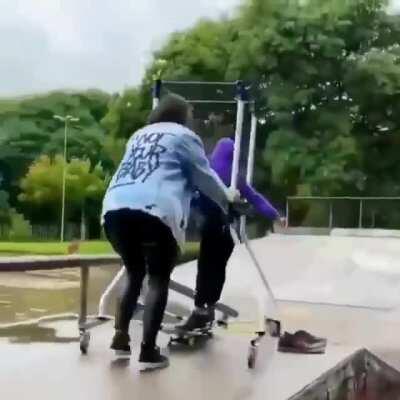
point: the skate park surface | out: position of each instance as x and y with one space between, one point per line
344 288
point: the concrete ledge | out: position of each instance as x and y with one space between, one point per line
32 263
378 233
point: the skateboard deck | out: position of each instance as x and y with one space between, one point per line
190 338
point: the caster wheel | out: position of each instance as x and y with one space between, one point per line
222 324
251 359
191 341
84 342
274 328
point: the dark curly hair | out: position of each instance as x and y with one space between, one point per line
171 108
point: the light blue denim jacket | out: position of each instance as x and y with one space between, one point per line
164 164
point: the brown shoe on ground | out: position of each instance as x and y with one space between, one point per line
302 343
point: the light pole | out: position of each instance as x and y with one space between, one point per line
66 119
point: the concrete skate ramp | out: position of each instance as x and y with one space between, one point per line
356 271
363 272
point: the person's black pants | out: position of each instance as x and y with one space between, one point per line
146 246
216 248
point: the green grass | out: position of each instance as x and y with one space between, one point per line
89 247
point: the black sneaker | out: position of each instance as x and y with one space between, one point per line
120 344
151 358
200 319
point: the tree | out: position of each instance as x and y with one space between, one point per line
28 130
201 53
127 113
115 149
325 74
5 211
42 188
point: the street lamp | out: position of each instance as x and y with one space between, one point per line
66 120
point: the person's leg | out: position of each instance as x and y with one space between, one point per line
161 255
222 253
215 249
123 232
136 271
205 264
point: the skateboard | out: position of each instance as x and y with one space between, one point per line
190 338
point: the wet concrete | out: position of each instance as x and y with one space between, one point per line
305 272
30 295
216 370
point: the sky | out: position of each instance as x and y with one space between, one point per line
79 44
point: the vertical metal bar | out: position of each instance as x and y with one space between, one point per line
250 161
64 175
287 213
156 92
330 215
361 214
252 147
84 296
105 298
241 96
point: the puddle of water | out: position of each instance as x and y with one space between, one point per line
35 333
29 295
27 299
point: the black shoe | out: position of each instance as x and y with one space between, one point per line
201 318
120 344
151 358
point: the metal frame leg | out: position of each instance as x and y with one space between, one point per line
84 334
105 297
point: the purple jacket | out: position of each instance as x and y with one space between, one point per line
221 162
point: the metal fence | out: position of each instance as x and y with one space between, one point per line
343 212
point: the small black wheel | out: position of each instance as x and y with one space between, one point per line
222 323
251 359
84 342
83 349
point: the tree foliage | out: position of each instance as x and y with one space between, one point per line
42 186
325 75
28 130
5 210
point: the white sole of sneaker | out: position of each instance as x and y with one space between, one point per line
143 366
121 354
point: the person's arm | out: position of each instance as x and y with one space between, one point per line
196 165
259 202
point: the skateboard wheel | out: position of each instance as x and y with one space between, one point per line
191 341
84 342
251 358
222 324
